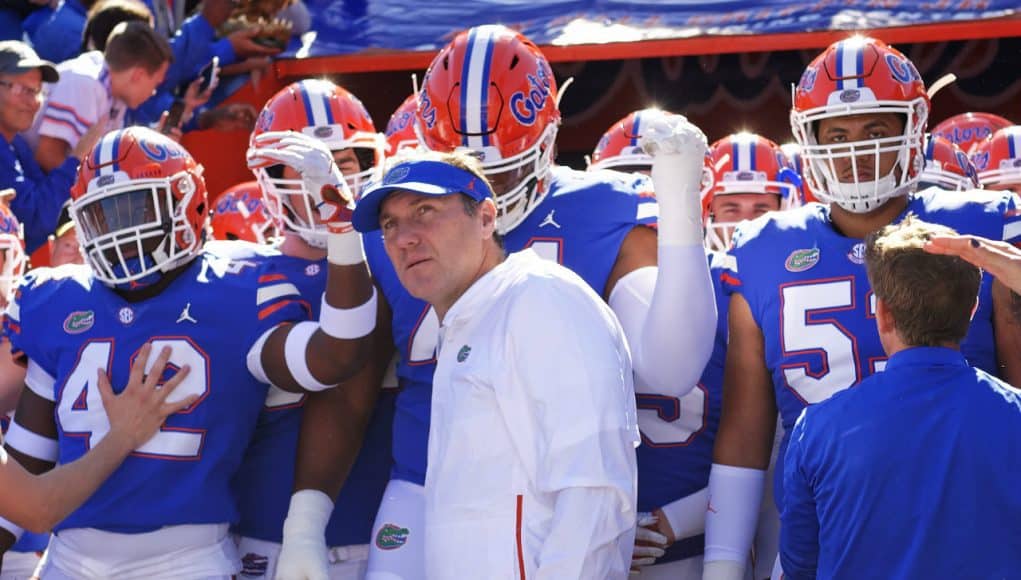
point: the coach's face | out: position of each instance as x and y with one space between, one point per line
20 99
436 247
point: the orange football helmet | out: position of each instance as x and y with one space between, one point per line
618 148
967 130
856 76
745 163
12 253
998 160
140 207
400 130
240 214
323 110
947 166
491 91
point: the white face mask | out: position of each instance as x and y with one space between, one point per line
864 197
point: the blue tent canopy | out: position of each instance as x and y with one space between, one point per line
354 26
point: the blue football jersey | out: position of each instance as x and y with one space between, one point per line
807 289
69 326
581 224
266 479
678 433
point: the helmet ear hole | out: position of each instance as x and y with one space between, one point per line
514 62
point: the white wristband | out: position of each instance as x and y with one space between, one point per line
15 531
348 323
345 249
309 512
294 354
31 444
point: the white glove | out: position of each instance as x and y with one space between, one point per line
678 150
321 180
311 158
645 554
303 555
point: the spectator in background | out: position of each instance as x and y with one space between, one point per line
38 196
17 16
64 247
194 46
913 473
51 39
107 14
98 88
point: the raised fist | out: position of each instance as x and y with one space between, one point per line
673 134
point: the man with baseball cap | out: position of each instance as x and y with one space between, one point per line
39 196
531 463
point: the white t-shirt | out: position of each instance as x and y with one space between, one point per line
77 100
532 469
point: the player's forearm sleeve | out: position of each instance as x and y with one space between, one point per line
669 317
687 514
735 494
592 536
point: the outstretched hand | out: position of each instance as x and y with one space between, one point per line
140 410
1000 259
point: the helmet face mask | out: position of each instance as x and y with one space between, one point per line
139 206
854 78
491 92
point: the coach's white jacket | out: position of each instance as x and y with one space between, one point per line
532 470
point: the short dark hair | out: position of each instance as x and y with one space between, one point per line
105 15
930 297
134 44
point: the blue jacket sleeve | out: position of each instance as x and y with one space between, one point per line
60 38
39 196
799 529
194 45
149 112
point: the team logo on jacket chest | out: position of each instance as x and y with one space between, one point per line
79 321
801 260
462 355
391 537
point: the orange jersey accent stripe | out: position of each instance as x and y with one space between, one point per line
272 308
271 278
728 279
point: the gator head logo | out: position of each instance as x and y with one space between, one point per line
391 537
79 321
801 260
462 355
